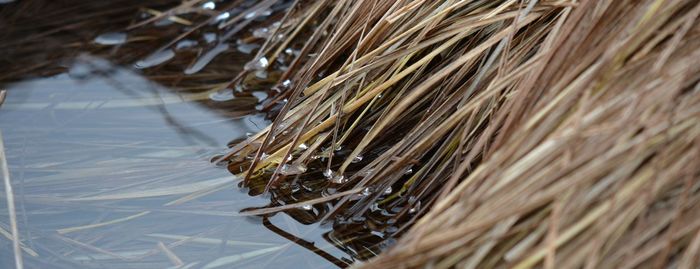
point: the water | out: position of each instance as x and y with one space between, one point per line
207 57
155 59
98 161
111 38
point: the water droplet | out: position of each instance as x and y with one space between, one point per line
408 171
209 5
154 59
263 32
391 229
111 38
289 51
222 95
258 64
6 1
334 177
287 83
264 156
339 179
247 48
185 44
359 219
258 13
303 146
415 209
377 233
209 37
260 95
388 190
366 191
222 16
261 74
292 169
203 60
357 159
328 173
307 207
374 207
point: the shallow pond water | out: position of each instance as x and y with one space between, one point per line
111 170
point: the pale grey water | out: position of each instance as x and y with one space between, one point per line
112 151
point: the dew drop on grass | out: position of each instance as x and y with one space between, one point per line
334 177
303 146
261 74
357 159
247 48
185 44
222 95
292 169
209 5
259 64
154 59
111 39
260 95
222 16
392 229
366 191
262 32
328 173
209 37
205 59
388 190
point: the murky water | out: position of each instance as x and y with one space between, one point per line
111 170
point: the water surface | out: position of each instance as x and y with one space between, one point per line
111 170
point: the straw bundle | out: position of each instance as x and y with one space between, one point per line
557 134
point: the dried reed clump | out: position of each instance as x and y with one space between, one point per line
556 134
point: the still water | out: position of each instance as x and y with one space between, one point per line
111 170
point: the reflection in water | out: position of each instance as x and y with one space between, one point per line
99 155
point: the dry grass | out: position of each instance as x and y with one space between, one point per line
489 134
557 134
